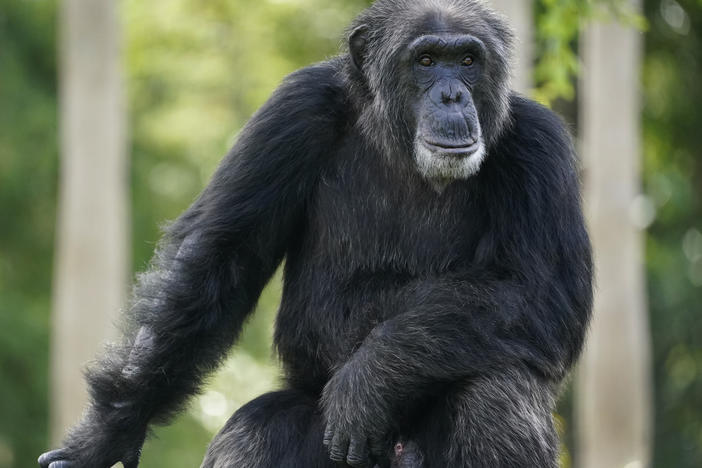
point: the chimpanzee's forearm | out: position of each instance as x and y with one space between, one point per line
187 311
457 328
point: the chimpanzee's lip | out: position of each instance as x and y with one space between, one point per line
453 148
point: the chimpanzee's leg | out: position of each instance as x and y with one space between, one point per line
281 429
498 421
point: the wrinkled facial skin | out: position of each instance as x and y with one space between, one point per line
445 68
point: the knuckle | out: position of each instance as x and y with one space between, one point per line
356 460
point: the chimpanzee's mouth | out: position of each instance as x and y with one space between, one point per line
457 149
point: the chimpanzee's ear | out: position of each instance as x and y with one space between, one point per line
357 45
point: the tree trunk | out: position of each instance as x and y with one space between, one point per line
91 265
613 406
521 16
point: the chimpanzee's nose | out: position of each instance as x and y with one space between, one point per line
451 94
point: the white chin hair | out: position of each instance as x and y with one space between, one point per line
444 167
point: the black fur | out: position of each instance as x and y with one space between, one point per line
440 315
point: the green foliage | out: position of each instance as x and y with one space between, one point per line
559 22
673 178
28 156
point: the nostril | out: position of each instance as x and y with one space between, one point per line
449 97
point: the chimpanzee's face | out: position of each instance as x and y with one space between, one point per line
435 85
445 69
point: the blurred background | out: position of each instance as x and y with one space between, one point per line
113 115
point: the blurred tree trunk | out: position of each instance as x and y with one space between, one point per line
91 264
521 16
614 386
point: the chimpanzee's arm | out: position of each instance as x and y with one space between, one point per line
454 328
526 303
209 271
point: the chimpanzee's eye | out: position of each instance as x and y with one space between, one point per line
426 61
468 61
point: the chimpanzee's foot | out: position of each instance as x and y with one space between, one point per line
407 455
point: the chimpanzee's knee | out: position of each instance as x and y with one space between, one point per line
278 429
498 421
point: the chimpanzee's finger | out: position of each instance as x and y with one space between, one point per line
52 456
339 447
359 454
328 435
61 464
377 447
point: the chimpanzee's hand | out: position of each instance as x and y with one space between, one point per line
97 443
357 419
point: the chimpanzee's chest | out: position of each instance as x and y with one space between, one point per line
369 215
369 233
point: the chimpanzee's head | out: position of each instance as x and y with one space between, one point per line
434 77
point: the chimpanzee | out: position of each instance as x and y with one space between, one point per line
437 278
